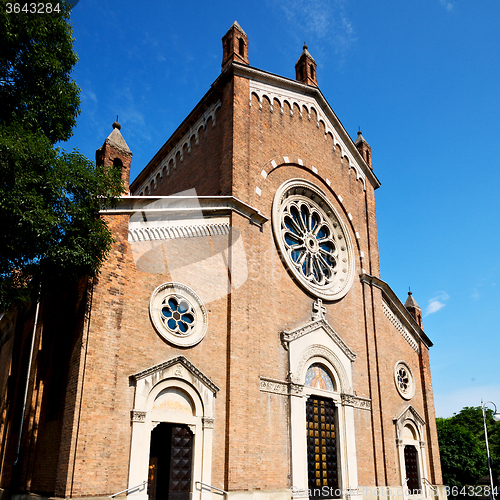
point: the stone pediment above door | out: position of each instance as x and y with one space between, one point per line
318 324
176 368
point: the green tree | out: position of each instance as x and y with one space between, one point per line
49 199
463 458
36 60
462 446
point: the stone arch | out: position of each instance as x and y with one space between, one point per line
321 354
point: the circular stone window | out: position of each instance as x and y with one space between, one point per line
178 314
403 378
312 239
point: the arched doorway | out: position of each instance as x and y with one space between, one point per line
172 428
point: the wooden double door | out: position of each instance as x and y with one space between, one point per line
322 455
170 462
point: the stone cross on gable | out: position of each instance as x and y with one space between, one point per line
319 310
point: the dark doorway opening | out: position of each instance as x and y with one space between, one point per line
170 462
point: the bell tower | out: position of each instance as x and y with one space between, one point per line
234 46
305 68
364 149
414 309
116 153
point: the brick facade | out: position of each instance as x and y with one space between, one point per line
251 133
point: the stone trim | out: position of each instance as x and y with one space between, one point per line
138 416
287 337
274 386
399 326
208 422
320 351
185 206
171 362
171 233
356 402
409 413
397 308
283 388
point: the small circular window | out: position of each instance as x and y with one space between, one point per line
403 378
312 240
178 314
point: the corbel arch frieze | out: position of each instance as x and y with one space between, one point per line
185 142
272 93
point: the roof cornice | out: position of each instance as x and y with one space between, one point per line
186 205
404 316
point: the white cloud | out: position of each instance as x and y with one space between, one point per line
448 404
446 4
318 21
436 303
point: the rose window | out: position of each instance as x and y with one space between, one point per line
178 315
403 378
309 242
312 240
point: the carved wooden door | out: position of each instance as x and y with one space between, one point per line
180 463
170 462
411 466
322 466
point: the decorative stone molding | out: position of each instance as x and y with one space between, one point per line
280 387
181 360
175 232
274 386
398 309
287 337
356 402
185 142
147 210
138 416
408 414
208 423
310 103
399 326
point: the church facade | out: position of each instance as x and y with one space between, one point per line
239 340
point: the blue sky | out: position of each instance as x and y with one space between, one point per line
421 79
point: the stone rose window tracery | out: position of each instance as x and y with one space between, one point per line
178 314
310 242
403 378
312 239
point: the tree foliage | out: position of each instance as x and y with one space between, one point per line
49 199
36 60
462 446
